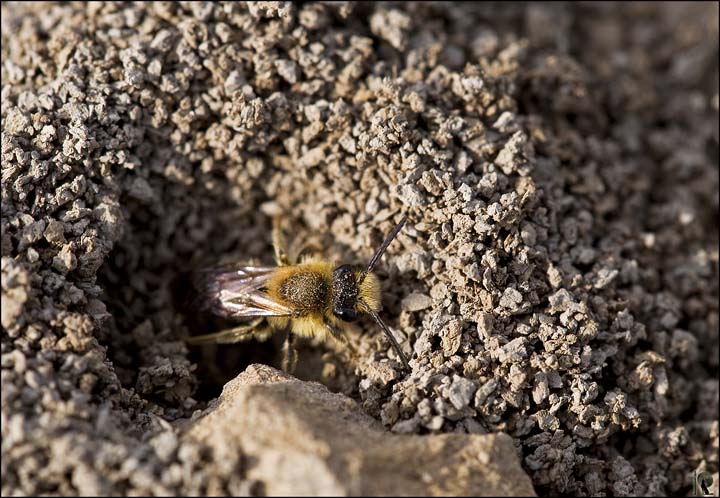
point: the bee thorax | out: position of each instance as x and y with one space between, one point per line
304 291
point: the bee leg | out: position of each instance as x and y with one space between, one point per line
306 249
263 333
342 339
279 244
229 336
289 361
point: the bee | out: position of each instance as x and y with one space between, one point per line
309 298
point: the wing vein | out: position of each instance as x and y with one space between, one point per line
236 291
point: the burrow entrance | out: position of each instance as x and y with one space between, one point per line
146 292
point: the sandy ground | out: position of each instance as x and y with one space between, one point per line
557 279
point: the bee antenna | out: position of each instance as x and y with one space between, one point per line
389 335
382 248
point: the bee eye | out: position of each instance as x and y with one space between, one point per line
346 314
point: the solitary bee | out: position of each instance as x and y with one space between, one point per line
311 298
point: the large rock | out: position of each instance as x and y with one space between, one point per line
300 439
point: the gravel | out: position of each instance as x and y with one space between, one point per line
557 279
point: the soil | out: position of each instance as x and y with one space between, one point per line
557 279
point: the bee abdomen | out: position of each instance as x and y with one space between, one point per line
304 291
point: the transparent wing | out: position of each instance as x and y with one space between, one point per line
235 291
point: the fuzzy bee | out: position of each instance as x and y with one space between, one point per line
309 298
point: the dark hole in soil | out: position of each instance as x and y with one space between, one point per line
218 364
134 294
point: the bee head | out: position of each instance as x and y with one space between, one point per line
345 293
358 291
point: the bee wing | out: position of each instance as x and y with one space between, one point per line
235 291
